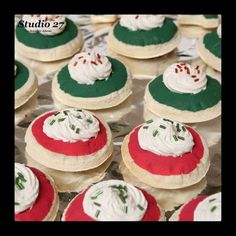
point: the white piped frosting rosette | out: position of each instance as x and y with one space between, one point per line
143 36
92 81
165 154
113 200
47 38
35 195
184 93
69 140
202 208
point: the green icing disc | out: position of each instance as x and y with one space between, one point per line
22 75
40 41
115 82
186 101
154 36
213 43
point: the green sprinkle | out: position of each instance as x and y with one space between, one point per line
77 130
66 112
211 200
126 210
180 137
97 213
149 121
122 197
79 117
213 208
162 126
19 181
73 127
59 120
97 194
145 127
56 113
140 207
21 176
52 122
175 137
168 120
17 203
183 128
155 132
89 121
97 204
178 128
79 110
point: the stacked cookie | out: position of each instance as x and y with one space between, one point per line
73 146
26 86
141 41
46 41
95 82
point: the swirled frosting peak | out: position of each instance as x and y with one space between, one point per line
114 200
141 22
87 67
71 125
44 24
165 137
219 31
184 78
209 209
26 188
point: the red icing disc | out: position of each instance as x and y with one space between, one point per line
75 212
43 203
187 212
166 165
78 148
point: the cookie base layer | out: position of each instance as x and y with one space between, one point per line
208 57
139 52
166 182
52 54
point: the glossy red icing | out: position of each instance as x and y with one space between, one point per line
78 148
43 203
76 213
166 165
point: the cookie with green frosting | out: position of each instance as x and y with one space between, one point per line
184 93
143 36
92 81
60 39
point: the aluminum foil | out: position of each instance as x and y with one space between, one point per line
95 36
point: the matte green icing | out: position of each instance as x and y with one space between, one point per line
211 16
22 75
187 102
115 82
213 43
155 36
40 41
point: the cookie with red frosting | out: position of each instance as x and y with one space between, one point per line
69 140
36 197
202 208
165 154
113 200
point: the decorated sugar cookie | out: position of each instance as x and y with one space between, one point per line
47 37
69 140
184 93
205 21
202 208
113 200
143 36
25 83
36 198
92 81
209 48
165 154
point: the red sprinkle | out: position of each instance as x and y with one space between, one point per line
99 56
26 116
181 70
182 64
89 53
176 70
193 76
196 80
81 57
136 17
75 63
93 62
84 61
99 61
196 67
179 66
198 71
